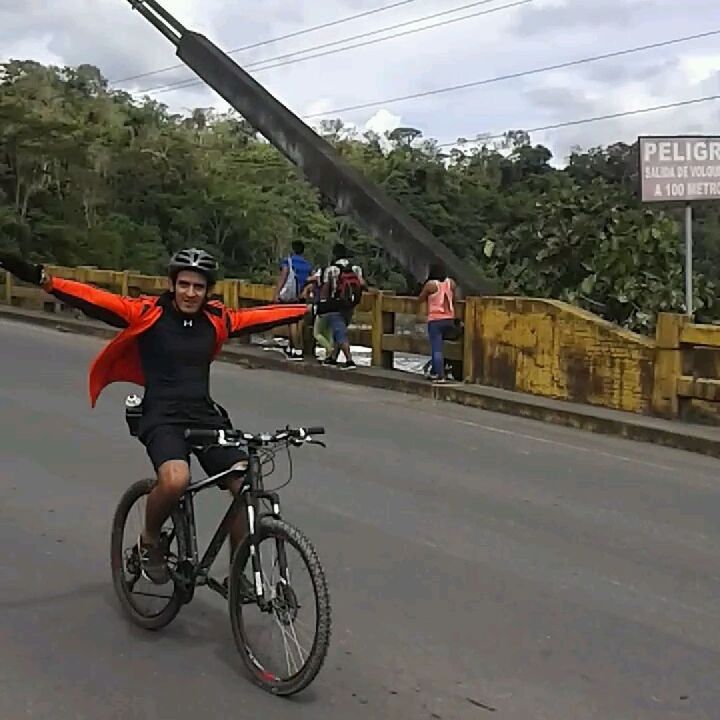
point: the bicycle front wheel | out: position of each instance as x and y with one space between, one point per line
297 614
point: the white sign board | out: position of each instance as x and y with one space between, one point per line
679 168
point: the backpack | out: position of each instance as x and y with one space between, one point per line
289 290
348 287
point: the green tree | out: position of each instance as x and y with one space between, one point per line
89 175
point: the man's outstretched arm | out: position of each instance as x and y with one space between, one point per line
265 317
95 303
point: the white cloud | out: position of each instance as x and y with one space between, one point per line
543 32
383 121
699 68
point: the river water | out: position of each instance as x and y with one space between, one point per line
362 355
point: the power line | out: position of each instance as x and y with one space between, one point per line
596 118
334 43
581 121
513 76
288 36
284 61
190 83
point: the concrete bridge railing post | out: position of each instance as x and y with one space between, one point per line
471 337
383 323
8 288
668 364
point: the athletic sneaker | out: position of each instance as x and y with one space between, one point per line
153 563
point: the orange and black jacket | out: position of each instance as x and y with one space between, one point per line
119 361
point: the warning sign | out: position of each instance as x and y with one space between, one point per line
679 168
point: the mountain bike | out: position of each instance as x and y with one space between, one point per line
273 595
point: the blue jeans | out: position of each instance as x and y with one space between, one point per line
338 326
436 332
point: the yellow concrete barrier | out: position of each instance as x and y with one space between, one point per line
553 349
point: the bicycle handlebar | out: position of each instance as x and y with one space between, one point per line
233 437
317 430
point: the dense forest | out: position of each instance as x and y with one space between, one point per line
89 175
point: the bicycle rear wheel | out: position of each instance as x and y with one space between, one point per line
301 656
125 561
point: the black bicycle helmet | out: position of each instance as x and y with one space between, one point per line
193 259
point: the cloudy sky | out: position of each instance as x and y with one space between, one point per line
515 36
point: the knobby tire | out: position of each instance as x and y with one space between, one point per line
271 527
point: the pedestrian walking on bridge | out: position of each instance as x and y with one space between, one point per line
439 293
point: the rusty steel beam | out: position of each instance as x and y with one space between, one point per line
411 244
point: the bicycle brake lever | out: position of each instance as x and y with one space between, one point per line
317 442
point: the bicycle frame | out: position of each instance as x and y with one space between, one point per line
195 570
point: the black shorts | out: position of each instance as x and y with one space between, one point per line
167 442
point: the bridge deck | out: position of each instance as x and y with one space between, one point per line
474 559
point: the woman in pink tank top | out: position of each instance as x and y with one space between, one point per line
439 292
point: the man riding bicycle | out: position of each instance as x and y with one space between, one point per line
166 344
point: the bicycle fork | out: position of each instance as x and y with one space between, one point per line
252 503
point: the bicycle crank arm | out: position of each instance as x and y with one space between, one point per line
218 587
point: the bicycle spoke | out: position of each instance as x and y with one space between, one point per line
291 670
302 628
293 634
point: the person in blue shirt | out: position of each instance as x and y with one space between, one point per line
294 272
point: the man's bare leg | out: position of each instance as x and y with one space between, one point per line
173 479
239 527
296 332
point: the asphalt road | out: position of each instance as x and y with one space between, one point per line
479 565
